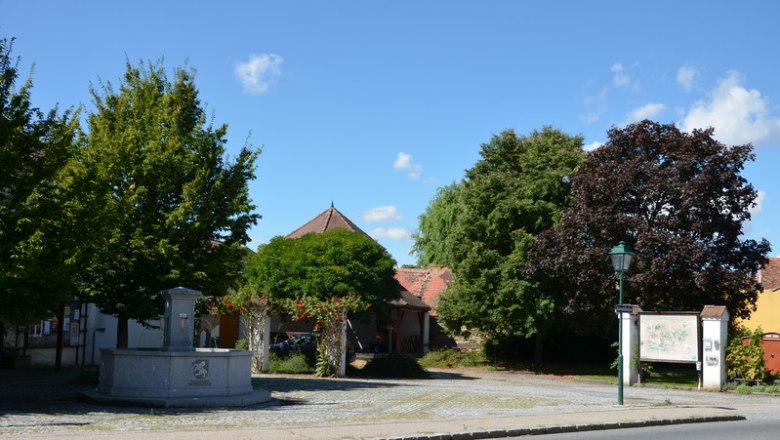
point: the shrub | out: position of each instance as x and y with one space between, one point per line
747 361
295 364
393 366
453 358
242 344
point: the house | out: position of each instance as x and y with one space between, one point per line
407 327
85 331
428 285
767 314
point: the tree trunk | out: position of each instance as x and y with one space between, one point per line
538 348
2 344
121 332
60 331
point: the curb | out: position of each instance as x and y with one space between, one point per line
503 433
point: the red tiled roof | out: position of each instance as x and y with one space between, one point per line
427 284
331 218
770 274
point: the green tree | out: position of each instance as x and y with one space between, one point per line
162 207
433 243
484 227
36 245
680 201
317 277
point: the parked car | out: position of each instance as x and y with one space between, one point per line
305 344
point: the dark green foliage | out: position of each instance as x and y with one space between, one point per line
746 361
453 358
318 267
160 205
484 226
36 240
680 201
295 364
393 366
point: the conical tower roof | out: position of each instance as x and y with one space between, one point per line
329 219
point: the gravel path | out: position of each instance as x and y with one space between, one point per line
41 404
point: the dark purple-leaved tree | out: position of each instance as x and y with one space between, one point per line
680 200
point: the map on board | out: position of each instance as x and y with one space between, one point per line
673 338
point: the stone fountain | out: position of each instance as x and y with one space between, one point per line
178 375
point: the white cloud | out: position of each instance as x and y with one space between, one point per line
259 72
381 214
622 79
403 162
590 116
395 234
758 207
592 146
739 115
647 111
687 76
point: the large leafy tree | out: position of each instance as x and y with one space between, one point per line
36 244
319 278
320 266
163 206
680 201
434 242
484 227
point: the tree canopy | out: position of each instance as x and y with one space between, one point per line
484 226
319 278
318 267
161 205
680 201
434 241
36 243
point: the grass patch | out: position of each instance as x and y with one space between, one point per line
750 389
295 364
672 376
453 358
393 366
666 376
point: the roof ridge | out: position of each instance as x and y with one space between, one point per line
329 218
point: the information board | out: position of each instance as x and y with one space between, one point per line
669 337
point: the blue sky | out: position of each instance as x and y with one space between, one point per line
373 105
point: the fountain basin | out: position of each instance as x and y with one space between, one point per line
203 377
157 373
177 374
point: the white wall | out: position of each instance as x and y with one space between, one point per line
138 335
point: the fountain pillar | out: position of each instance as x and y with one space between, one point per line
179 325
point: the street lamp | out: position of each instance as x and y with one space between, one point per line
621 260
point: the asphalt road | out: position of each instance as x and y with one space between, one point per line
746 429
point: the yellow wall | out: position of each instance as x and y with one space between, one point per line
767 314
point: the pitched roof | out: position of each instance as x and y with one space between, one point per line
714 312
426 284
769 276
331 218
409 301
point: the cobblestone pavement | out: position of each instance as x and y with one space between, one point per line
45 405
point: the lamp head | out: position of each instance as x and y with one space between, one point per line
621 255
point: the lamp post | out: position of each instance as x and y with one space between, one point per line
621 260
